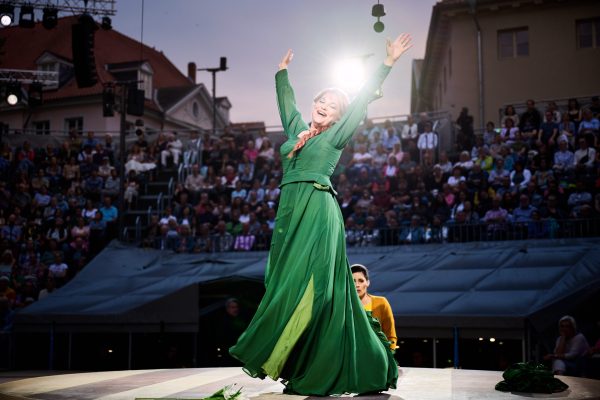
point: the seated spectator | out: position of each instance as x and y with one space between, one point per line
221 239
361 159
168 216
137 161
105 169
266 151
112 184
584 157
464 162
509 133
173 149
58 270
520 177
239 191
537 228
245 240
109 212
390 136
564 160
272 192
250 151
186 243
194 183
93 185
132 186
477 179
444 163
548 132
414 233
579 198
489 136
456 178
510 113
523 213
530 121
574 112
566 130
570 349
496 219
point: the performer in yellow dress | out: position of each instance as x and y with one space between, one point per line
378 306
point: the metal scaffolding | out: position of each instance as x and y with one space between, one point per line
46 78
94 7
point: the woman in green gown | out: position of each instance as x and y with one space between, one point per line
310 328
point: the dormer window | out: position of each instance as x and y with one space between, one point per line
134 71
49 62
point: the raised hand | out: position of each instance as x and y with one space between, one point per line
286 59
396 48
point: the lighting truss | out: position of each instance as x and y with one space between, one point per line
46 78
93 7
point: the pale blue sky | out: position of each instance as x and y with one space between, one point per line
255 34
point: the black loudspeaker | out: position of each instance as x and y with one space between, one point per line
82 42
223 64
135 102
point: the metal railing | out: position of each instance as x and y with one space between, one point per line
450 232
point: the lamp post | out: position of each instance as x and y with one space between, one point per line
213 71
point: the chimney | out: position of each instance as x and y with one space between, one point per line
192 72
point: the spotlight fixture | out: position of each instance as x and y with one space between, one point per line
34 94
106 23
13 93
7 14
378 11
50 17
26 19
223 64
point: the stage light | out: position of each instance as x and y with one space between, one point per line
13 93
349 74
492 339
7 14
50 17
34 94
481 339
106 23
26 19
378 26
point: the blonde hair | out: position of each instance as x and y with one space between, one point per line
342 98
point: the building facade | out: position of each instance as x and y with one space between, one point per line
172 100
486 54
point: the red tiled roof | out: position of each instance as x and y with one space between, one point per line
24 46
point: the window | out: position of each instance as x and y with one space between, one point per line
195 110
74 124
48 67
146 84
588 33
513 43
42 127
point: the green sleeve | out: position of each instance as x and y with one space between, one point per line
341 133
291 119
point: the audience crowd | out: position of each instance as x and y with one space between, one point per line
533 176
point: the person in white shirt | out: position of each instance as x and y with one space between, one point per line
428 140
174 147
585 156
570 349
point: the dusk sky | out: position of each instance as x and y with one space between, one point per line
254 35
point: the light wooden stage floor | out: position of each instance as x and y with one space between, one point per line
414 384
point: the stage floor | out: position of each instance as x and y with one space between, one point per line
414 384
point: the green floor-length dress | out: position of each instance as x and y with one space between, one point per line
311 329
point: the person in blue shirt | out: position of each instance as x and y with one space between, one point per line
109 212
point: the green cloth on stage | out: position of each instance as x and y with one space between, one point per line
310 328
530 377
